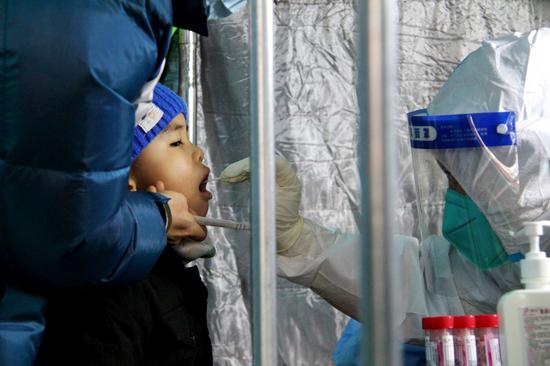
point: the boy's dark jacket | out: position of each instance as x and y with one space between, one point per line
159 321
69 74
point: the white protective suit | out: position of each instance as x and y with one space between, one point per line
505 74
326 260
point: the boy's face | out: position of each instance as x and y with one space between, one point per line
174 160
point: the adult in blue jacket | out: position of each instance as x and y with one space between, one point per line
72 73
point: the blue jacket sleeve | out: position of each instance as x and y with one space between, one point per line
70 72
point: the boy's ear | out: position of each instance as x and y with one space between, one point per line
132 186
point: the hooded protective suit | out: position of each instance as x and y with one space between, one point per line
506 74
71 74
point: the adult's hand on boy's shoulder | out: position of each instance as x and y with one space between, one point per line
184 225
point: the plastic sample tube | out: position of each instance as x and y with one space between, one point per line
439 340
488 347
465 340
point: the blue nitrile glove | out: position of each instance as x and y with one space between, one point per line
347 351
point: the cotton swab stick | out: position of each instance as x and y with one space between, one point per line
208 221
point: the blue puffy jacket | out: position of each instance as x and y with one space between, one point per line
69 72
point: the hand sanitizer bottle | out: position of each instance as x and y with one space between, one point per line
525 314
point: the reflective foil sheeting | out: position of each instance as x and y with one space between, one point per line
316 129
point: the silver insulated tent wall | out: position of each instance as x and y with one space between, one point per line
316 129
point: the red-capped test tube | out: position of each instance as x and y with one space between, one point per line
439 340
465 340
488 348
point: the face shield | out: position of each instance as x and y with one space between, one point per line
499 97
454 157
508 73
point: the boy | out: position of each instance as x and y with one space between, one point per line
159 321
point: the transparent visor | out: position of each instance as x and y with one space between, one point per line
467 180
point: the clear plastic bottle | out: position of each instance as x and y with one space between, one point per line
487 336
465 340
525 313
439 340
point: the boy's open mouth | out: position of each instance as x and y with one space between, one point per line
202 188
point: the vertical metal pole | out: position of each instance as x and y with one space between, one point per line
188 42
264 331
376 96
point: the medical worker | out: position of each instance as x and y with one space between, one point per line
468 254
74 75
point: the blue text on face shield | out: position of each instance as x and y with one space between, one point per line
462 130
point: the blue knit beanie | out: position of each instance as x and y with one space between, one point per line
165 106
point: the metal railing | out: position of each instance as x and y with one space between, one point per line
264 281
188 45
376 94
